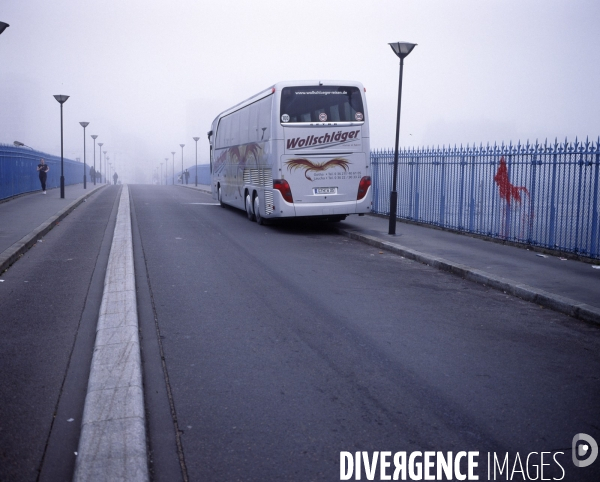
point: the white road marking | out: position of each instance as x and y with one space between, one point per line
112 445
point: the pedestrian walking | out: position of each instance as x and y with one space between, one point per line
115 177
43 169
187 176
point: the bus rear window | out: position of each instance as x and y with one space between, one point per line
321 104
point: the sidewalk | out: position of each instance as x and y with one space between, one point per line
567 286
26 218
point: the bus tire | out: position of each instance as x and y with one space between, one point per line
220 196
259 219
249 210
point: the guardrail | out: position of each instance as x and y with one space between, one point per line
544 195
18 170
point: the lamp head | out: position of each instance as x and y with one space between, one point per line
402 49
100 144
61 98
84 124
182 145
3 26
94 136
173 152
196 138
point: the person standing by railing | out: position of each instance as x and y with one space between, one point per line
43 169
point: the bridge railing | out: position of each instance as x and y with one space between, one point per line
18 170
544 195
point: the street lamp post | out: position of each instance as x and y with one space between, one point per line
61 100
401 49
84 125
100 144
166 169
182 146
196 139
94 137
106 181
160 180
173 152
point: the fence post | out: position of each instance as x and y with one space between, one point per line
462 192
594 237
472 189
417 188
552 223
443 193
581 165
531 198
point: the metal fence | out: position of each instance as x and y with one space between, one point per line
542 195
18 171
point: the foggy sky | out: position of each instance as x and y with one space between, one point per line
151 74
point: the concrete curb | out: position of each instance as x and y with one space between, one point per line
201 189
12 254
112 446
554 302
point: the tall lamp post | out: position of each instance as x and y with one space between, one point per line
61 100
100 144
173 152
94 137
160 179
401 49
166 169
182 146
106 180
196 139
84 125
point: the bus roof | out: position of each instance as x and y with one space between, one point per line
288 83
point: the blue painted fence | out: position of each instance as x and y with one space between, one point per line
18 171
544 195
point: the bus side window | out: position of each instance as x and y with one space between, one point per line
253 130
264 119
243 118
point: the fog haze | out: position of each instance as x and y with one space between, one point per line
150 75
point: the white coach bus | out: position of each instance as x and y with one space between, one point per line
296 149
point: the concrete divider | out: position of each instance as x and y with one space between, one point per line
112 446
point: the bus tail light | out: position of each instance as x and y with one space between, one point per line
363 187
284 188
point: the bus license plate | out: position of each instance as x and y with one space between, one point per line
326 190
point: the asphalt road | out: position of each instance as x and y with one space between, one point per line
49 302
268 350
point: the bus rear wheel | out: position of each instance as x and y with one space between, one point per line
249 211
220 196
259 219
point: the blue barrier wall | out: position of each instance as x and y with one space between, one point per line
18 171
543 195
